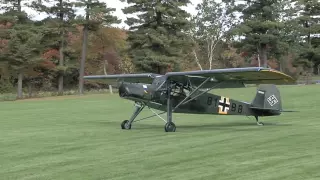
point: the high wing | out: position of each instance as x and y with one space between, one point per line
249 75
224 78
115 78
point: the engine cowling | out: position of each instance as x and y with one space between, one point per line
154 92
135 90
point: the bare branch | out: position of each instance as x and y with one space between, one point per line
212 23
105 67
196 59
195 55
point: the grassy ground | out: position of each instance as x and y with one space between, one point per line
80 138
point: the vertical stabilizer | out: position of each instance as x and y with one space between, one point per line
267 98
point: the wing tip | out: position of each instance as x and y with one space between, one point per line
287 78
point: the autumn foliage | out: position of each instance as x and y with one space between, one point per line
49 56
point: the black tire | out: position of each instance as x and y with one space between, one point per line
170 127
125 124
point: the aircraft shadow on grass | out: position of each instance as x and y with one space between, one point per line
233 126
188 93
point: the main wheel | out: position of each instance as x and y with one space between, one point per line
125 124
170 127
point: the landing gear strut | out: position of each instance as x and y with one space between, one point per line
258 123
126 124
170 126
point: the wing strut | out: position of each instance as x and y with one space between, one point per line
185 101
191 93
203 92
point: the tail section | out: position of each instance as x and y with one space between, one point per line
267 101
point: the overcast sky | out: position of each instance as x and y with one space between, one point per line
118 5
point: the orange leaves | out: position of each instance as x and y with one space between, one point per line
72 38
104 45
3 44
232 58
244 54
49 56
75 37
6 25
112 59
48 64
110 37
273 63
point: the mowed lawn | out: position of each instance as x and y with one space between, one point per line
80 138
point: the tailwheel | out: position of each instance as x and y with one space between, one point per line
170 127
125 124
258 123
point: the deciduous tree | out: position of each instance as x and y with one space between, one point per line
211 26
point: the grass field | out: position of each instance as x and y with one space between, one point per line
80 138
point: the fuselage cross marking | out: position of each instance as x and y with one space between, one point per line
224 105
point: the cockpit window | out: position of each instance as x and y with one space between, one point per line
158 81
180 91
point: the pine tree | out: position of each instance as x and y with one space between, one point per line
23 49
310 32
61 16
157 35
96 14
260 27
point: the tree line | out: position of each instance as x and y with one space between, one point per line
55 53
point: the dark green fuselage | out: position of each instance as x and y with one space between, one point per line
206 103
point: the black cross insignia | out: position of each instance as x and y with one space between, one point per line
224 104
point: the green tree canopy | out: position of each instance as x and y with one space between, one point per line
157 34
310 32
260 27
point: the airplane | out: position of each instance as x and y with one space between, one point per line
188 92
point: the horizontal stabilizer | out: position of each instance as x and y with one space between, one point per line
289 111
270 109
261 108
